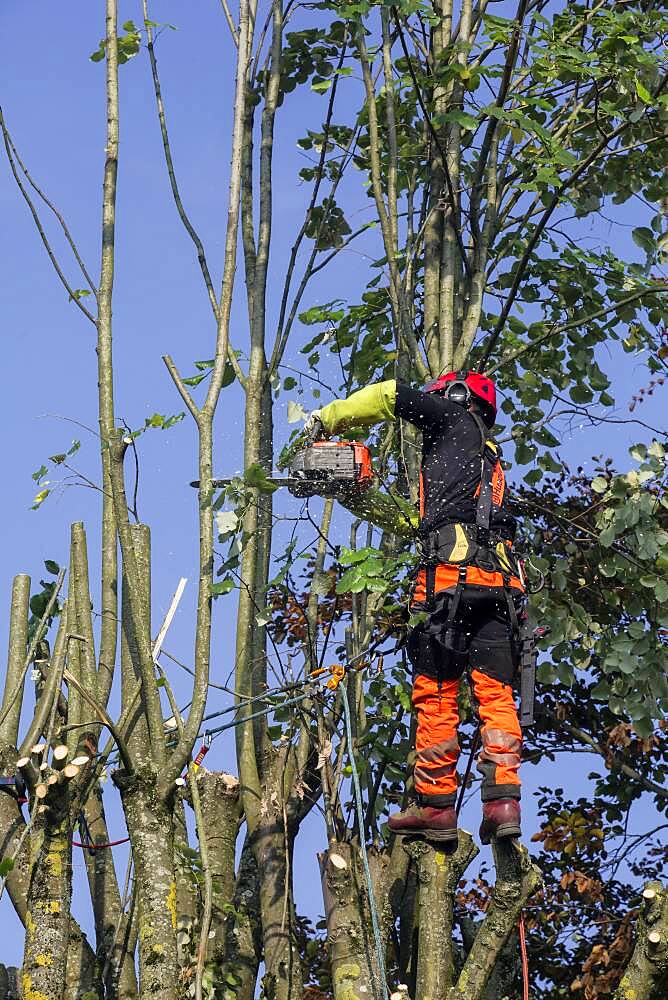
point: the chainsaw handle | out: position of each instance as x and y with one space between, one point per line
316 432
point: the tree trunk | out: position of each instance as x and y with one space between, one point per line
219 794
151 828
283 975
110 924
243 937
646 976
48 904
439 873
353 968
516 880
10 986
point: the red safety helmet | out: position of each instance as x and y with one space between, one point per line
460 386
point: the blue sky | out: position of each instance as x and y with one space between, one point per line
52 97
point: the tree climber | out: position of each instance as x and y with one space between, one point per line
469 588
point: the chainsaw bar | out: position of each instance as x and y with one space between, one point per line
322 468
218 484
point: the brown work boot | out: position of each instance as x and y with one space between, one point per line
500 818
425 821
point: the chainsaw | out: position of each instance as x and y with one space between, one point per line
323 468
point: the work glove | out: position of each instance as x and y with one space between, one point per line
313 428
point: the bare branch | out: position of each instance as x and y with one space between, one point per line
181 386
230 21
568 183
9 146
183 215
104 718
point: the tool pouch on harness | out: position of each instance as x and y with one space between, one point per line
439 647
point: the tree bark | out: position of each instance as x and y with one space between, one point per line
219 794
16 655
82 970
110 923
10 983
244 930
47 920
516 880
646 976
353 968
439 873
283 976
151 828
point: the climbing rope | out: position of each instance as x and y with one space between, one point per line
365 860
525 960
92 847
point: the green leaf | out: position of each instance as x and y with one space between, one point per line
643 727
255 476
524 453
599 484
458 117
643 93
607 537
321 86
52 567
644 238
40 498
581 394
224 587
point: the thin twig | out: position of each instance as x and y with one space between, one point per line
9 146
230 21
104 718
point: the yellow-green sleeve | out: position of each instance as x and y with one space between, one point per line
363 408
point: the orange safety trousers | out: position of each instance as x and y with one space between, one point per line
437 745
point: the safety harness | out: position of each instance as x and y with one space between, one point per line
477 545
472 544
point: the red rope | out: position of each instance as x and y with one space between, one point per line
525 960
99 847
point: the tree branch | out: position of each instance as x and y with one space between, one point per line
9 146
572 324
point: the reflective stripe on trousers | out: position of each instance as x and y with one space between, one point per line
436 740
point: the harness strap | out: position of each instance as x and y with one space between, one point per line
456 597
430 583
488 460
512 611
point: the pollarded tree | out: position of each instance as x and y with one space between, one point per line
487 142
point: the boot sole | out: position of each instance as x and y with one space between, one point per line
506 830
440 836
